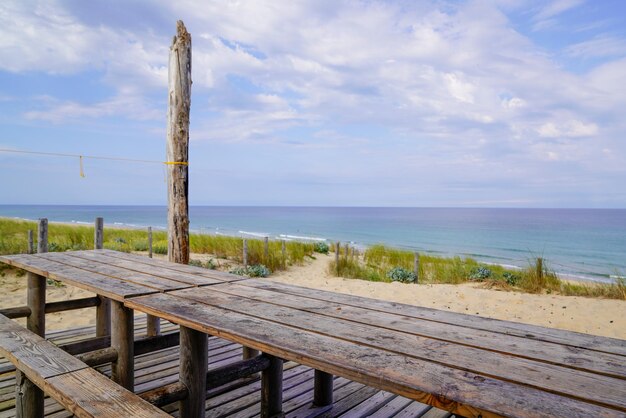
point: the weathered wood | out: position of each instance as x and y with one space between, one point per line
249 353
103 311
17 312
153 326
283 251
552 378
159 342
193 371
602 363
416 266
98 357
87 393
179 103
26 405
245 252
266 249
150 241
122 340
94 282
526 331
165 395
459 391
337 250
31 242
87 345
72 304
272 388
226 374
323 390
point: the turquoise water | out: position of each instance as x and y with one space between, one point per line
580 243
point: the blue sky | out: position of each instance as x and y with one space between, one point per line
502 103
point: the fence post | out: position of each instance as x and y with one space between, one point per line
283 250
103 311
416 267
337 248
28 397
31 242
540 270
150 241
266 250
347 250
245 253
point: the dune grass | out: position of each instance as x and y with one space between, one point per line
379 260
61 237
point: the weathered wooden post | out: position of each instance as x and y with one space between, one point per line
266 250
347 250
245 253
193 344
416 266
540 270
28 397
150 241
323 388
103 311
31 242
283 250
337 248
272 389
123 340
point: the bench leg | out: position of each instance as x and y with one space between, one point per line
193 371
122 339
272 389
103 317
249 353
323 390
28 398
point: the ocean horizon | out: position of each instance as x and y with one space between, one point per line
586 244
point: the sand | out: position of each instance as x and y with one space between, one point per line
589 315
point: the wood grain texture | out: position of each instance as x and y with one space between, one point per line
193 371
272 389
570 338
87 393
459 391
575 358
103 285
122 340
184 268
549 377
177 146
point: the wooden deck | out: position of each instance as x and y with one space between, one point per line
241 398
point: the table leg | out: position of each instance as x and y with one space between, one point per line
103 317
122 339
249 353
153 324
323 391
28 397
193 371
272 389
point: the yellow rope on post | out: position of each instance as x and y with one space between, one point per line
176 163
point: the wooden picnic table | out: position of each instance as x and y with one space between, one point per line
470 365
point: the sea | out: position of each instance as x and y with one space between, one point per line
582 244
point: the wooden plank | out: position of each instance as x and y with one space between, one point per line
38 358
575 358
87 393
462 392
556 379
371 405
115 272
574 339
154 271
97 283
183 268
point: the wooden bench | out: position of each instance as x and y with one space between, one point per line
79 388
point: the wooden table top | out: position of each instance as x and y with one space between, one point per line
466 364
116 275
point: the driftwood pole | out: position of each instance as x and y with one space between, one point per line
179 103
416 266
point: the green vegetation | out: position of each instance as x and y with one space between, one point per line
14 240
381 263
255 270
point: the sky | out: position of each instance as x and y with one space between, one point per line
501 103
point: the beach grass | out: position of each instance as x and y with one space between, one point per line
63 237
379 260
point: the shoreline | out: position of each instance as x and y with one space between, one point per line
566 277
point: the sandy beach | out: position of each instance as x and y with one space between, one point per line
589 315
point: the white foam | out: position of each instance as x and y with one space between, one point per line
254 234
303 238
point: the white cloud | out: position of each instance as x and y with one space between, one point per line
600 46
569 129
544 18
